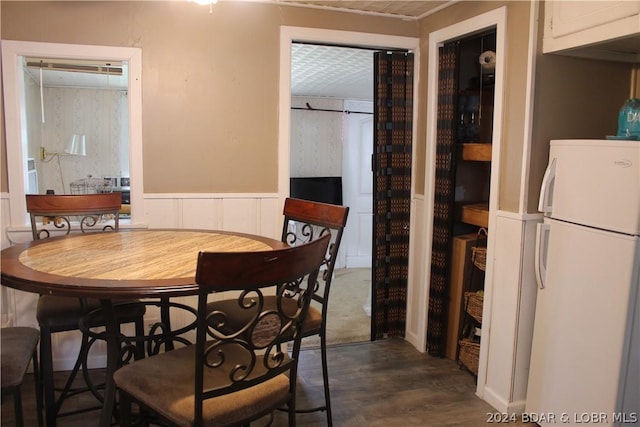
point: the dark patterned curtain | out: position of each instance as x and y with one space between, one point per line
443 203
393 110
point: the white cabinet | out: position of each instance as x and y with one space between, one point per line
597 29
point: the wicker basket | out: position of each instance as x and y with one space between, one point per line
473 305
479 257
469 355
479 253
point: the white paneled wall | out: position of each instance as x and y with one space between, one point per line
7 297
509 306
254 214
417 312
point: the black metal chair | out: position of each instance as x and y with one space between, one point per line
231 377
305 221
51 214
19 347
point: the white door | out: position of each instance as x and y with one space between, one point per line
358 184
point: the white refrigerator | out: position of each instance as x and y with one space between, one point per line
585 357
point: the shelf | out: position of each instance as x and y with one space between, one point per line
475 214
476 152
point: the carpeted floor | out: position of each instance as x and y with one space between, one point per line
347 320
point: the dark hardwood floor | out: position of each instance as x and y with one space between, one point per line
386 383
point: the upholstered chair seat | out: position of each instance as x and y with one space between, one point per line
176 403
62 313
17 349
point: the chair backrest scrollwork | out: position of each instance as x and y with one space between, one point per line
251 354
305 221
97 212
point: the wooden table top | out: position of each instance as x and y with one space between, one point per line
141 263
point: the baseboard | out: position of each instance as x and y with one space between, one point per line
502 405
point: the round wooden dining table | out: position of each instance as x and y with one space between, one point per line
119 265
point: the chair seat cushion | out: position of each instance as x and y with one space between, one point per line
238 317
16 351
165 384
64 313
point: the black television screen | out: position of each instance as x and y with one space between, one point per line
327 189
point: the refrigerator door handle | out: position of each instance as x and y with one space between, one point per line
545 203
540 260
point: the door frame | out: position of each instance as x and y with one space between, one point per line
496 18
288 35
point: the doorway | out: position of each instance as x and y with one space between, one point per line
290 35
495 19
331 149
466 85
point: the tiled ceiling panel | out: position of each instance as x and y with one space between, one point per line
403 9
330 71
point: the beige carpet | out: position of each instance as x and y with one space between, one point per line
347 320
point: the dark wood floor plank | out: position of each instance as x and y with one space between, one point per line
386 383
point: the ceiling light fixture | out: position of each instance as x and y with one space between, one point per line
206 2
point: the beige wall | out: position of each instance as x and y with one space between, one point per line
210 81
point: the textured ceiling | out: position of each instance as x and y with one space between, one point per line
329 71
404 9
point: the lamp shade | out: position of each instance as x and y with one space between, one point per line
77 145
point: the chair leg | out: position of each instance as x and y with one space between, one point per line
139 324
46 367
125 409
165 318
291 406
17 405
325 377
52 404
38 385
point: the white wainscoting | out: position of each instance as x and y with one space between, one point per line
417 303
256 214
509 307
